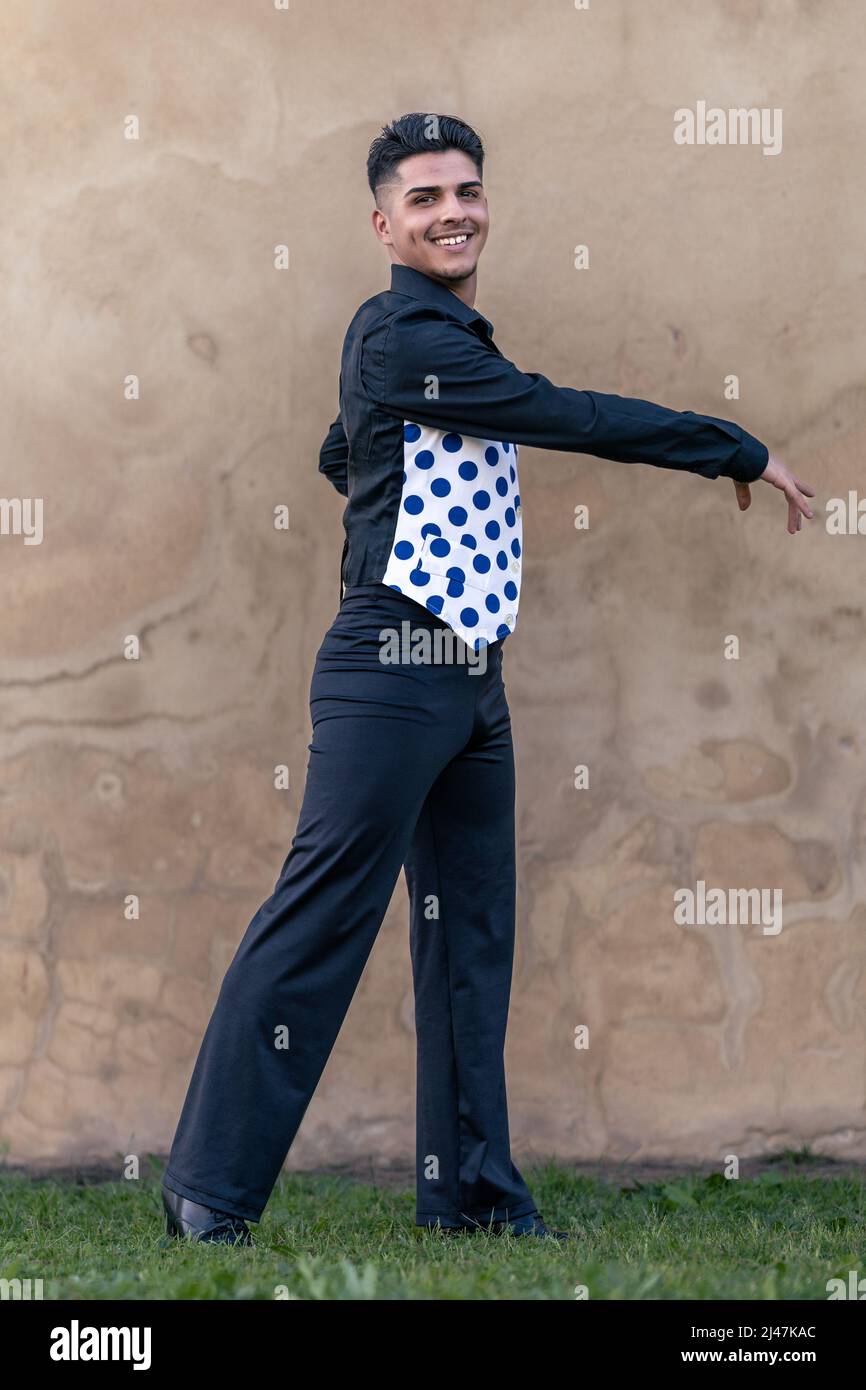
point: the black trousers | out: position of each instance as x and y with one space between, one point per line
411 766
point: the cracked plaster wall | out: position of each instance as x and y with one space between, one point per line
154 777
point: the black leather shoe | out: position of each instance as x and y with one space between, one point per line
531 1225
183 1217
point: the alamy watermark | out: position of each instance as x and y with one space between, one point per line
700 906
425 646
739 125
22 516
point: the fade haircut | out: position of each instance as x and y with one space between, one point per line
419 132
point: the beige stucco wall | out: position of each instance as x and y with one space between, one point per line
154 776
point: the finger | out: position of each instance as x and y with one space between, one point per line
744 496
792 514
795 498
804 487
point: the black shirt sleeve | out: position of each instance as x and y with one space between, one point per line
334 457
425 367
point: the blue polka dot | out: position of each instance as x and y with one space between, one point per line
472 534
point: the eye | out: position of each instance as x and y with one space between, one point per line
467 193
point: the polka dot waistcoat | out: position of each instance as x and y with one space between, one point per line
458 544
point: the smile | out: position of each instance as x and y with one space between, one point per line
459 240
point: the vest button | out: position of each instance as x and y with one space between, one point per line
515 566
509 617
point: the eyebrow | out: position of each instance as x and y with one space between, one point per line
436 187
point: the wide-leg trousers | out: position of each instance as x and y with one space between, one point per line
411 766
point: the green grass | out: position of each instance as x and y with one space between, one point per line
780 1235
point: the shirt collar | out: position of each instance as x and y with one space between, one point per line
406 280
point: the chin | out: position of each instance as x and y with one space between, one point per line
455 272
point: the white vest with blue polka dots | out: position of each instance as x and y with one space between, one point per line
458 543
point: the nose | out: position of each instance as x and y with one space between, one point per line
452 211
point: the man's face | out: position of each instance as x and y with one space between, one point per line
435 196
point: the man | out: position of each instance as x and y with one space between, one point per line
413 767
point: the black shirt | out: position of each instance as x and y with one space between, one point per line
417 359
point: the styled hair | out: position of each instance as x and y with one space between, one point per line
419 132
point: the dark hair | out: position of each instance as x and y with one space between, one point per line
418 133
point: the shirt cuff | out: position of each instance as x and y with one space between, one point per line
749 462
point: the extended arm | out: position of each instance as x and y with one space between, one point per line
431 370
421 366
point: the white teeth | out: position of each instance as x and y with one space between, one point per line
451 240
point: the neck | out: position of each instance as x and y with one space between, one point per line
465 289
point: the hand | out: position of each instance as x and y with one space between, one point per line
795 491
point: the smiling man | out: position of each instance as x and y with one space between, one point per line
411 765
427 400
439 228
